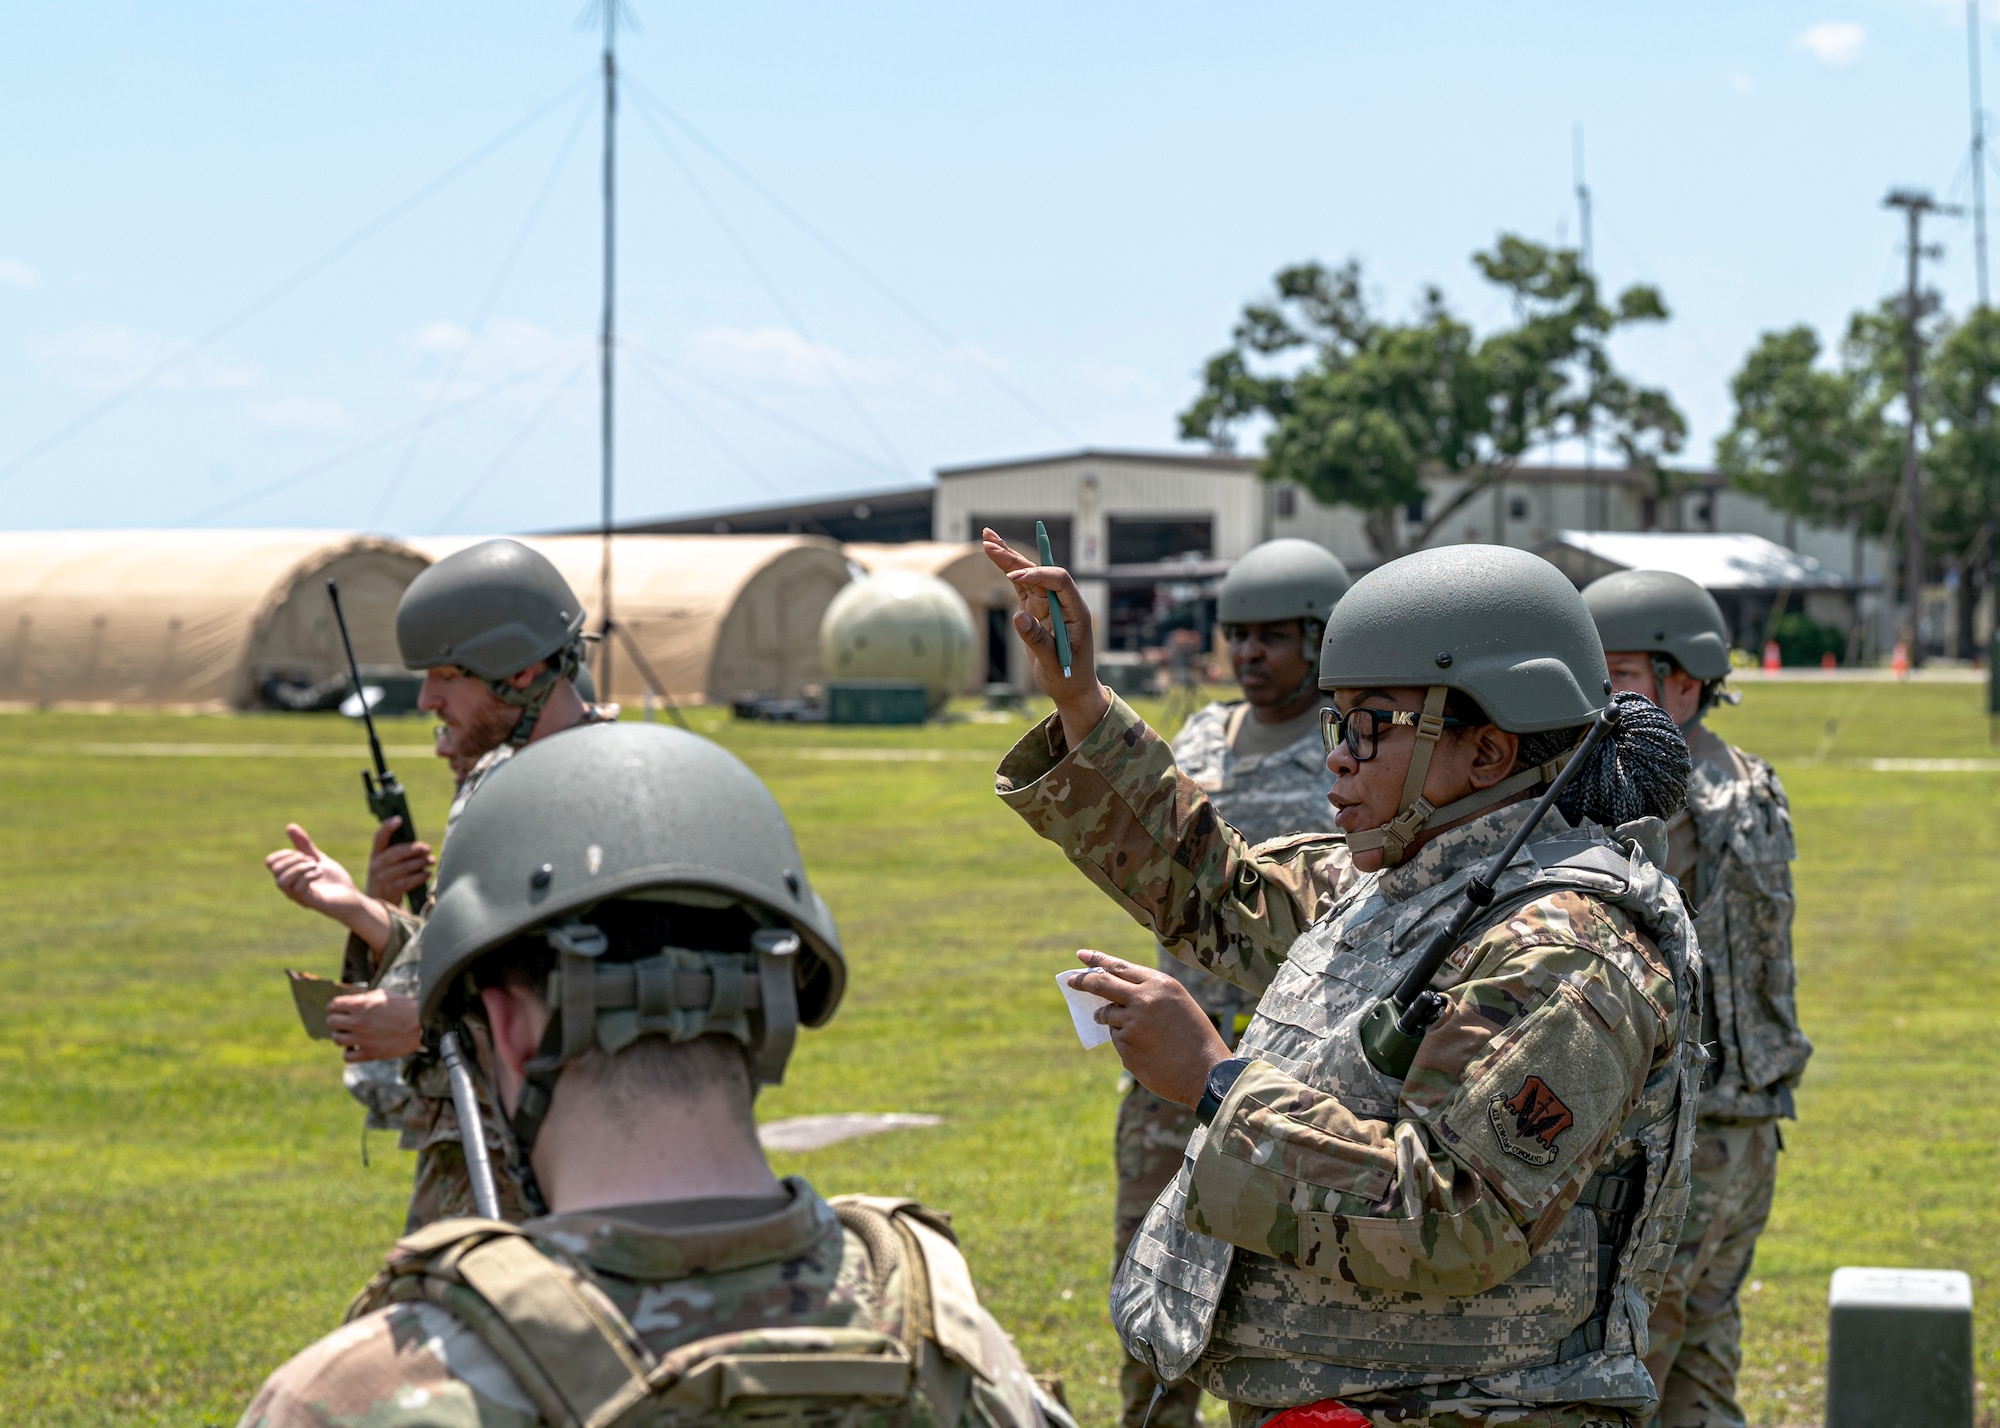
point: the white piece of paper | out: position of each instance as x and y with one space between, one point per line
1083 1011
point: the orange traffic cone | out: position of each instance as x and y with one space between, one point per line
1771 657
1899 661
1827 661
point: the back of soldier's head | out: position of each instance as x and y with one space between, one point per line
642 883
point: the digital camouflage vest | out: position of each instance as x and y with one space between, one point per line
912 1363
1275 795
1743 834
1569 1327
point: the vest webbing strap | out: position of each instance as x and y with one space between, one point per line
583 1366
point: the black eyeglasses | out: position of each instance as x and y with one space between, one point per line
1361 729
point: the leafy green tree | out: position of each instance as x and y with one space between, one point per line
1376 406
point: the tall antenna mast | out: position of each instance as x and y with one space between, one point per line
1594 492
1978 145
606 334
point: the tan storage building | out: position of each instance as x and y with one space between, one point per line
714 617
188 619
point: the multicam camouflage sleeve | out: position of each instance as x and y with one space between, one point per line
1504 1116
1141 830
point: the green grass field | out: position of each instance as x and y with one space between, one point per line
184 1200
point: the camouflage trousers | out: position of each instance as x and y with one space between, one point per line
1152 1138
443 1189
1697 1327
1417 1409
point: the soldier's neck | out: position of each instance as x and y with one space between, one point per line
596 1152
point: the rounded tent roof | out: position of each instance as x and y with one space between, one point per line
189 618
960 564
713 617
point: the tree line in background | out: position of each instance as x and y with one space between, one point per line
1357 408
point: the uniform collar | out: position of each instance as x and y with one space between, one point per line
1458 848
680 1239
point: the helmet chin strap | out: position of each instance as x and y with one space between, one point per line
561 665
1418 816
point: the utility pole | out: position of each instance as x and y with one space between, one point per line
606 334
1978 145
1915 203
1594 495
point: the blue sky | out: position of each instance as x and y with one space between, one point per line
1074 199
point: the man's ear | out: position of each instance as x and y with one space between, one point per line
517 1018
529 675
1493 755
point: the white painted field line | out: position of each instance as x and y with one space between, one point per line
878 756
1921 765
235 751
817 1132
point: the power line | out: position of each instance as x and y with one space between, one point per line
758 408
117 399
647 99
373 443
480 315
771 290
528 428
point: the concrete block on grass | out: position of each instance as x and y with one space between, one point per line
1899 1349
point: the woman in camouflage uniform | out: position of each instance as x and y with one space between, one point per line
1479 1241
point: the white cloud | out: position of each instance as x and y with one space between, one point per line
1834 42
457 364
16 274
780 354
302 414
1741 82
103 356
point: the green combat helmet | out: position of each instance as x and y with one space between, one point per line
1284 579
1497 624
493 609
573 832
1669 617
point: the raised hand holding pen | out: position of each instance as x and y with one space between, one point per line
1080 700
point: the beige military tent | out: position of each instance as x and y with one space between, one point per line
188 618
963 566
714 618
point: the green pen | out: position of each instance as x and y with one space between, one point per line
1055 609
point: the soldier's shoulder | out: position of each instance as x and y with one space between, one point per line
1759 773
1211 721
406 1365
1309 847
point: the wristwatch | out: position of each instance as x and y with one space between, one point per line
1220 1079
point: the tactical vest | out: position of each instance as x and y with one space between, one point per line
1570 1326
583 1365
1743 834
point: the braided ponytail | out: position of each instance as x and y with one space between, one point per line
1639 770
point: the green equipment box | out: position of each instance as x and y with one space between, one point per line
1899 1349
875 701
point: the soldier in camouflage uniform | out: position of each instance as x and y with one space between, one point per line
1261 762
1481 1241
499 635
1731 850
625 912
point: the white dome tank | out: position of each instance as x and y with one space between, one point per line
901 626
